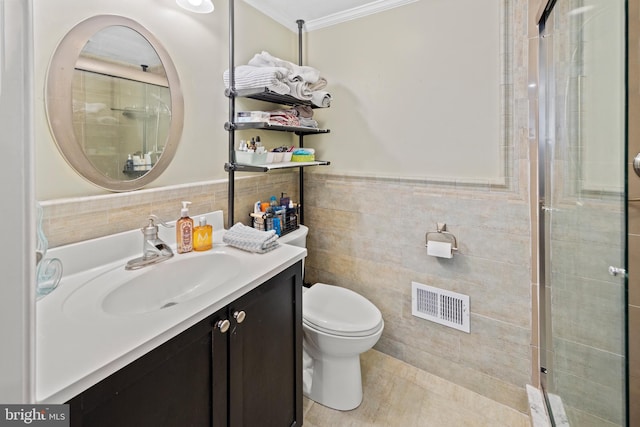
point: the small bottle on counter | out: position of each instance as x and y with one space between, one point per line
202 236
284 200
184 230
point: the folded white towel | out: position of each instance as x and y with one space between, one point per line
299 90
320 84
249 77
295 72
321 98
250 239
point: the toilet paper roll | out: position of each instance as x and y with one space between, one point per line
439 249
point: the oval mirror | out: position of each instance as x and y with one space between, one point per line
114 103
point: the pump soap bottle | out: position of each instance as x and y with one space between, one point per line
184 230
203 236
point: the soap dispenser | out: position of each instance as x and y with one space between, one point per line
184 230
203 236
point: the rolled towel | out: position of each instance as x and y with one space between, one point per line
319 85
321 98
249 239
299 90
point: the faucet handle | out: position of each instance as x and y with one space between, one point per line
153 217
151 230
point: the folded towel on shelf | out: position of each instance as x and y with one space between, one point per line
299 90
320 84
286 117
309 123
282 77
249 239
249 77
295 72
321 98
304 111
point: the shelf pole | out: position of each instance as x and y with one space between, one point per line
300 23
232 113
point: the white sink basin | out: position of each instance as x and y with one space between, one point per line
156 287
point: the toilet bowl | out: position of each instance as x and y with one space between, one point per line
338 325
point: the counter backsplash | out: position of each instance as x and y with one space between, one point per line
81 218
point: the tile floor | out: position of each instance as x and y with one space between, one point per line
398 394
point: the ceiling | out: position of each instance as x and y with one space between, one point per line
321 13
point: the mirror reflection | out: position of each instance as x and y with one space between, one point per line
121 103
114 103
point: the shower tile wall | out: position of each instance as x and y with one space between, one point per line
368 235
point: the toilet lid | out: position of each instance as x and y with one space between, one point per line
339 311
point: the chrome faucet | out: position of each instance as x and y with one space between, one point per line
154 250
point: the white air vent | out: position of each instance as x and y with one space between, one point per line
438 305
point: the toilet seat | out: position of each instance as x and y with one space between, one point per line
339 311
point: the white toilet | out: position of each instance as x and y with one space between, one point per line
338 326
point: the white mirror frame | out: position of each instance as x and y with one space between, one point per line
58 101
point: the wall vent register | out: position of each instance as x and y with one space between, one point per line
440 306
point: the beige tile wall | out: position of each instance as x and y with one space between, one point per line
368 234
76 219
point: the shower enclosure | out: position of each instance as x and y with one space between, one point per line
582 197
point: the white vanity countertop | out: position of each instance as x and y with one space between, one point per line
77 350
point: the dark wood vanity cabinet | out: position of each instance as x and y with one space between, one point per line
246 372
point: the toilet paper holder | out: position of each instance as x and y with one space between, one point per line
441 229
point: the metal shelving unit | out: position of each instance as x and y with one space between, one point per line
262 94
298 130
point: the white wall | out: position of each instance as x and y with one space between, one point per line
416 89
198 45
18 251
416 92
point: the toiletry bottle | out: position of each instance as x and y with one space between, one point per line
129 165
277 226
202 236
184 230
284 200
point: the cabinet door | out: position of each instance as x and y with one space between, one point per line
265 354
170 386
219 369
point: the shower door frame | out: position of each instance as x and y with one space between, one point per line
546 108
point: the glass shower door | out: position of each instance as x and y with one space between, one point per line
582 211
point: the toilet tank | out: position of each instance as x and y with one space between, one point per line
296 238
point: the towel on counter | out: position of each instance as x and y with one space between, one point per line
250 239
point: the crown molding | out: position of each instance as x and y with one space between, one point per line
354 13
375 6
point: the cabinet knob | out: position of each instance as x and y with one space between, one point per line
223 325
239 316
